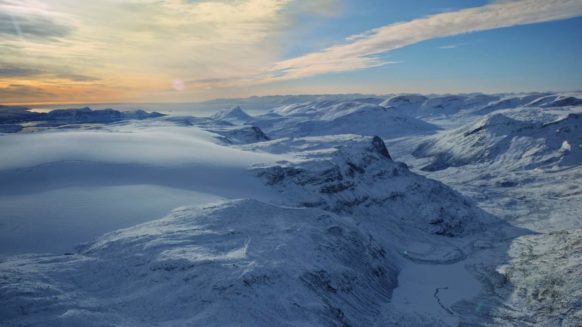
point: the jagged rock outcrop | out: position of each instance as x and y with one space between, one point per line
355 175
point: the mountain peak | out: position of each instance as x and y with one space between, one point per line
380 146
234 114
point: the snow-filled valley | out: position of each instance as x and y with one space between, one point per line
403 210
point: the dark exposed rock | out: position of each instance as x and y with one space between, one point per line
380 146
358 180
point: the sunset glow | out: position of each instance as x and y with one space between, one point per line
66 51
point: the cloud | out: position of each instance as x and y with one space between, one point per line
15 92
25 19
74 77
22 72
362 50
140 47
449 46
11 72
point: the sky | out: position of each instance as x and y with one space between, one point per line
115 51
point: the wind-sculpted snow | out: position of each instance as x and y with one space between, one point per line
226 131
508 142
166 146
543 100
447 105
334 230
362 116
234 263
475 105
59 184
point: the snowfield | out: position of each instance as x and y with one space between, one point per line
403 210
225 264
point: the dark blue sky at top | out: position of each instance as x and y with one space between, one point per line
543 56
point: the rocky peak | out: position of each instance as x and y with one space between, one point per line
359 178
379 145
233 115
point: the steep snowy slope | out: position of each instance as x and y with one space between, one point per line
435 106
235 116
334 259
448 110
512 102
508 142
552 295
544 100
355 175
363 117
234 263
537 284
331 230
523 164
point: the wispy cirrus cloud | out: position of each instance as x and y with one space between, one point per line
449 46
362 50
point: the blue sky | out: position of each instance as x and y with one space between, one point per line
180 51
534 57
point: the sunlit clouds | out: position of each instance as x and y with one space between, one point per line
184 50
133 50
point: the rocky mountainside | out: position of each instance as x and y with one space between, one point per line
303 215
355 175
223 264
322 242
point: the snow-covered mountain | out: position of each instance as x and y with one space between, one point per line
12 119
375 211
231 263
234 115
508 142
360 116
475 105
446 105
355 175
302 215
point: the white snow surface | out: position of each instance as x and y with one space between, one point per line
230 263
299 216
